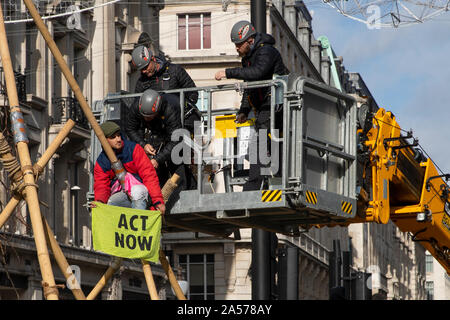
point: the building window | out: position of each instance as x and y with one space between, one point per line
200 275
78 64
429 263
429 289
194 31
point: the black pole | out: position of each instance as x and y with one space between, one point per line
337 291
261 253
258 15
337 249
288 273
261 282
346 274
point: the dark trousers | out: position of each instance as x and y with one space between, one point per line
187 180
166 170
255 179
190 119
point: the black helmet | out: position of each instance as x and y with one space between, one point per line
141 56
241 31
149 103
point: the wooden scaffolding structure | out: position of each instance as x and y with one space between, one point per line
25 175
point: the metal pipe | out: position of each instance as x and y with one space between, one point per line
49 286
209 113
213 112
272 112
228 147
215 88
286 138
294 152
328 91
182 108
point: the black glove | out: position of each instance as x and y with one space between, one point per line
190 108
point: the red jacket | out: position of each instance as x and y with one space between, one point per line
136 162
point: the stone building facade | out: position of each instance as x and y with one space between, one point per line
437 286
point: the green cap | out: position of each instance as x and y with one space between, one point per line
109 128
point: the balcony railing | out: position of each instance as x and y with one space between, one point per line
20 85
66 108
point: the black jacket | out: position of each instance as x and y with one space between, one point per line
261 63
160 128
169 76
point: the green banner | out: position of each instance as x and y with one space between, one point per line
127 233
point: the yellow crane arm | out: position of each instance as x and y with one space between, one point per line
406 188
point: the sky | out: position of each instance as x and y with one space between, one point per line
406 69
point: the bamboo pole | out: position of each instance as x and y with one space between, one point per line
172 279
166 191
62 262
56 249
170 186
105 278
50 290
149 279
54 145
9 209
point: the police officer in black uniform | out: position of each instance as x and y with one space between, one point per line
160 115
260 61
159 74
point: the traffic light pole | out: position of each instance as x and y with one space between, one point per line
261 240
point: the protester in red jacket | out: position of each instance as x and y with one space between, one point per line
146 192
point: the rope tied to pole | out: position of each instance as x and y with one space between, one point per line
37 170
48 290
9 162
22 186
27 169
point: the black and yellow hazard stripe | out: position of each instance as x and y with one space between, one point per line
311 197
346 207
271 195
